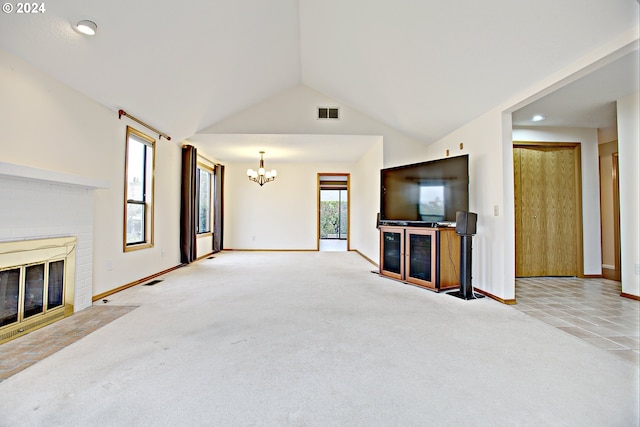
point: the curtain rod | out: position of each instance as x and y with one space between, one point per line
204 157
160 134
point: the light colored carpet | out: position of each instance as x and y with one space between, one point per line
316 339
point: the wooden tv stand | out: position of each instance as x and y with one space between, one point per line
426 257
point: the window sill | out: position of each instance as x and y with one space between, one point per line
130 248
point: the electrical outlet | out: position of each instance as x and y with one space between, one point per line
109 265
496 210
637 268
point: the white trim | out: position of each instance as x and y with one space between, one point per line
28 172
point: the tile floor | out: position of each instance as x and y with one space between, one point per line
24 351
591 309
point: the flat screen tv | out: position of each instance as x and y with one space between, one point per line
428 192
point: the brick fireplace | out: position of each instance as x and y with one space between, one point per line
41 210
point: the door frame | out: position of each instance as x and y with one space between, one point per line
577 189
335 174
616 215
615 181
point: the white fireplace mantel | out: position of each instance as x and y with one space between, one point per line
47 204
13 170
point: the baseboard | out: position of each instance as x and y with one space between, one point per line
610 273
301 250
593 276
137 282
366 257
630 296
490 295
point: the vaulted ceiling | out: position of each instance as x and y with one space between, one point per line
422 67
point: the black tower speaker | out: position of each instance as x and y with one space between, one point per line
466 223
465 228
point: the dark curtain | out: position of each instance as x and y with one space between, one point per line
189 192
218 189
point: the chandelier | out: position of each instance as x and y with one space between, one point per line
261 176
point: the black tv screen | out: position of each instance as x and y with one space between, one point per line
430 191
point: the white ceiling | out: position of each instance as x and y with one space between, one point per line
285 148
422 67
588 102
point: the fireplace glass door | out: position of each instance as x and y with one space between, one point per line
25 289
33 290
9 296
37 284
55 282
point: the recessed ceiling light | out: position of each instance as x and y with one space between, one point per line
87 27
538 118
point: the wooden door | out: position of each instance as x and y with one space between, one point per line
548 210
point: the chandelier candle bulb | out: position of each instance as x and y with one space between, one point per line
262 176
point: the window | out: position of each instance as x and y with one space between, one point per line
138 212
203 210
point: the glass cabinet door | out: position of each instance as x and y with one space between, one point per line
392 252
420 257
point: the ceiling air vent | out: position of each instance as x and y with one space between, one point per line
328 113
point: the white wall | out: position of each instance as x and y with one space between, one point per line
588 139
365 197
294 112
283 214
481 139
204 245
629 168
279 215
292 204
47 125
